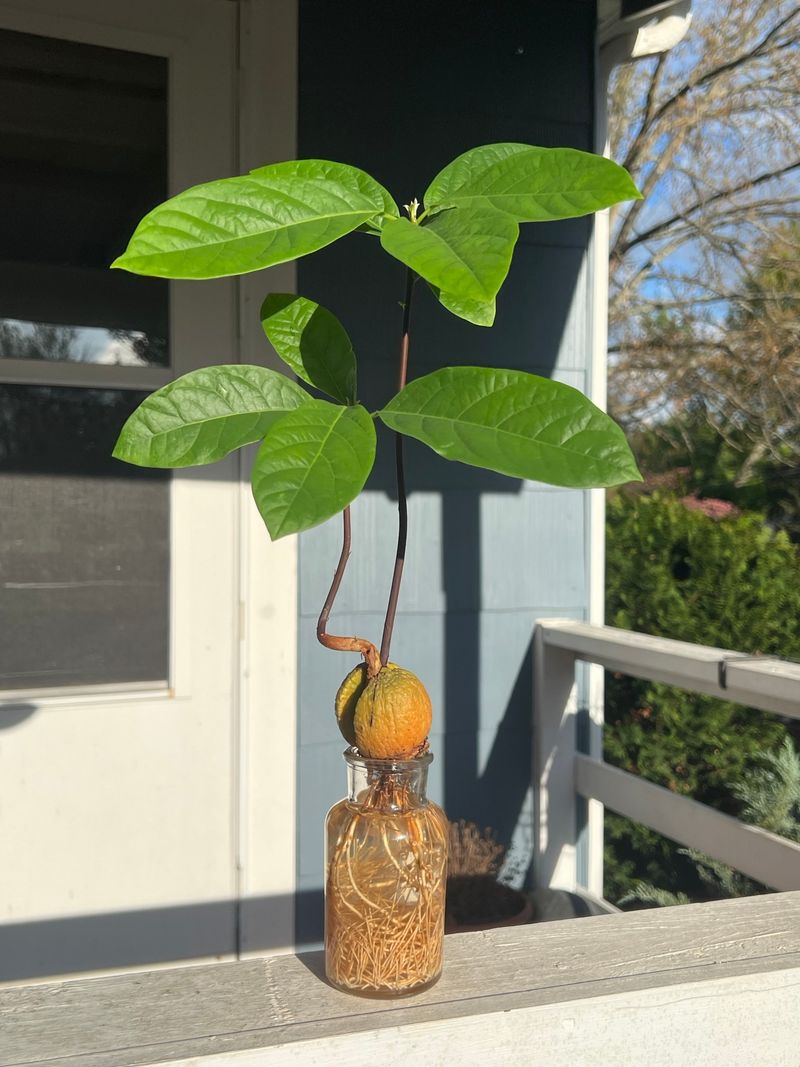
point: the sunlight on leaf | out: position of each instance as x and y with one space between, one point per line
465 252
478 312
532 184
514 423
204 415
242 224
312 464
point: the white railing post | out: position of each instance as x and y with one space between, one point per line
593 834
554 737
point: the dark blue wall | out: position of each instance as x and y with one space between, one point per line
400 96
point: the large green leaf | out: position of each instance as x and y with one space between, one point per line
238 225
514 423
465 252
368 183
206 414
478 312
532 184
312 464
313 342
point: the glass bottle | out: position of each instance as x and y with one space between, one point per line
386 865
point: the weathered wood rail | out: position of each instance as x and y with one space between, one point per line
712 984
562 774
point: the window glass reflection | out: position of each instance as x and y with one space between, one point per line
83 155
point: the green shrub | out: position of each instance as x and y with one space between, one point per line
731 582
770 798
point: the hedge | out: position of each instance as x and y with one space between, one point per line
674 571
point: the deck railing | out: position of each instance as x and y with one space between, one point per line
563 775
714 984
708 984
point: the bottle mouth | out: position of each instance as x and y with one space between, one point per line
387 766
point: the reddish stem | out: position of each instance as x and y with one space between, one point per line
345 644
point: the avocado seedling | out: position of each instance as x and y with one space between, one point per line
315 455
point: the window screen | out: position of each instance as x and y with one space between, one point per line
84 549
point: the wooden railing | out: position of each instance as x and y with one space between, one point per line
563 775
713 984
708 984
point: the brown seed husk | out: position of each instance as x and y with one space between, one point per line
347 697
393 715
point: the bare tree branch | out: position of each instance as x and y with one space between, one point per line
703 205
705 271
723 68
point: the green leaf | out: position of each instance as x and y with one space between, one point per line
206 414
514 423
375 188
532 184
478 312
465 252
312 464
242 224
313 342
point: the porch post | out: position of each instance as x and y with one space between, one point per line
554 746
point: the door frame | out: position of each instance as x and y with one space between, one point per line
267 806
261 108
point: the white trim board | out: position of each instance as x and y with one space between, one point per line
266 744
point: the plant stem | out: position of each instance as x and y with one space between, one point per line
402 506
345 644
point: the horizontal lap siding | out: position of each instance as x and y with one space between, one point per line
400 96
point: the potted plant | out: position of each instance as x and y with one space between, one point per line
477 898
387 845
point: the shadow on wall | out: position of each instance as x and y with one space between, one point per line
475 75
486 680
122 939
14 714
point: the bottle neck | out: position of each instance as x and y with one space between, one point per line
387 785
